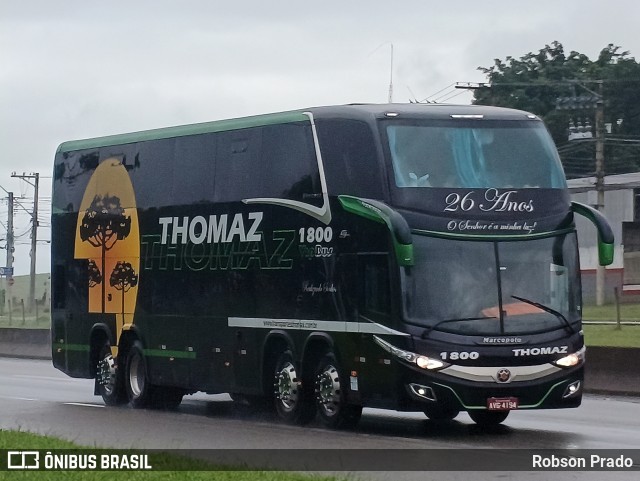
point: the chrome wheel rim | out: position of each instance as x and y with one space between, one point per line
328 390
107 374
287 386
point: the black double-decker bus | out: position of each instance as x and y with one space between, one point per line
408 257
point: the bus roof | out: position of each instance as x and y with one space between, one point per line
353 111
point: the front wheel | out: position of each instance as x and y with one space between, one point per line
441 413
488 418
109 378
291 397
139 389
331 400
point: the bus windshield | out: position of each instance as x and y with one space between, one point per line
493 287
473 154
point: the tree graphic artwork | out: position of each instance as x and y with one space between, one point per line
104 223
123 278
95 277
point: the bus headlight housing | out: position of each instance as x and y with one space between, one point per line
429 363
572 359
419 360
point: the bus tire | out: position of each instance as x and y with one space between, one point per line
330 390
488 418
139 389
441 413
292 401
109 378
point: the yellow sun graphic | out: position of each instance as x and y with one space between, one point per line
108 235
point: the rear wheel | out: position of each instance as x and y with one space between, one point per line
488 418
109 379
330 390
292 399
139 389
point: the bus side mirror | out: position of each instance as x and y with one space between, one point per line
605 234
380 212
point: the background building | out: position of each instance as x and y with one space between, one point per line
622 209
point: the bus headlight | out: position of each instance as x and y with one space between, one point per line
428 363
572 359
419 360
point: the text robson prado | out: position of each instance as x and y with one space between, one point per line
591 462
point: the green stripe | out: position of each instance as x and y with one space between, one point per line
184 130
524 406
452 235
71 347
167 353
147 352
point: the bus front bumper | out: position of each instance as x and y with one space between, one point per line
559 390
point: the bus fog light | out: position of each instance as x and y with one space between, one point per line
424 392
572 359
572 389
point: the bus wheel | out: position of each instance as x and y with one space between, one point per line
331 396
138 386
292 401
109 381
488 418
441 413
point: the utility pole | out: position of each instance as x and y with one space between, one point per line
600 135
596 100
34 234
391 78
10 250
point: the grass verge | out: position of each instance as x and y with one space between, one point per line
192 469
606 313
608 335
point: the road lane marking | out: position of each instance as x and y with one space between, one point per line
18 398
44 378
86 405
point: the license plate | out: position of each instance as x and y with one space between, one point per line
502 403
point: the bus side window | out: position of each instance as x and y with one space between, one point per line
193 169
59 300
350 158
238 168
289 163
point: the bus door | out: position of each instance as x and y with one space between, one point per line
374 313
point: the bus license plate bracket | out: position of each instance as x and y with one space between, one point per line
502 403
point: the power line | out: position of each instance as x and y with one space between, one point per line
35 176
426 99
452 96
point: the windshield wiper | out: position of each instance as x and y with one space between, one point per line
428 330
547 309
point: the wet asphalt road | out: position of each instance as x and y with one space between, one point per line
35 397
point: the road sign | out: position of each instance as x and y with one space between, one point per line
6 271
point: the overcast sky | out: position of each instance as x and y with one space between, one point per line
72 69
